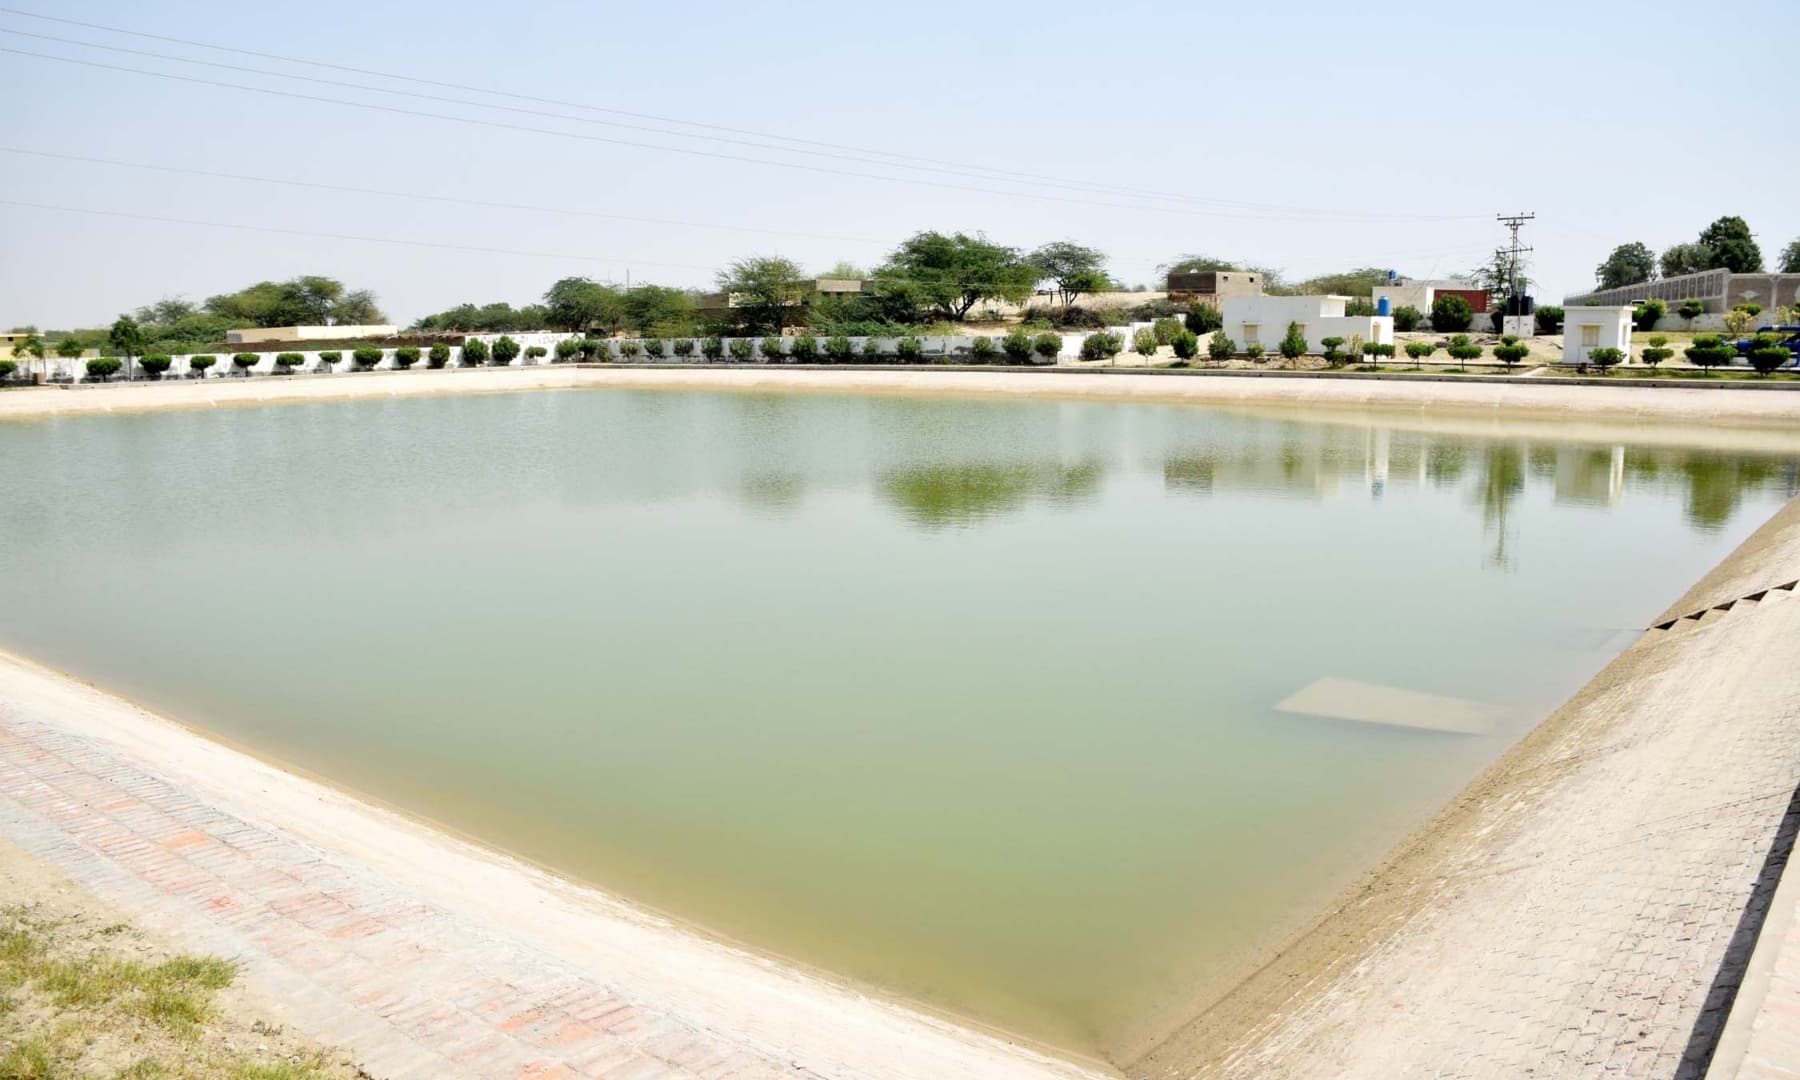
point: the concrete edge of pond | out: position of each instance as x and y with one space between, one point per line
1615 399
1526 927
417 951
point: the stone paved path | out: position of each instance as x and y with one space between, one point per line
410 986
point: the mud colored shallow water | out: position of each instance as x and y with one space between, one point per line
972 701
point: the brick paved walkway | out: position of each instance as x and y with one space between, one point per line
411 987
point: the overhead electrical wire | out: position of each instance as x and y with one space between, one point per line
984 172
422 196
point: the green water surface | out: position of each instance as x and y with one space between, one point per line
969 700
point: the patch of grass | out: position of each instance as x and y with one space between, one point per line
31 1059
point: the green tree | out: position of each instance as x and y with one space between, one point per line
575 304
504 351
127 339
1451 314
1186 345
1790 258
1075 270
660 311
1017 345
30 347
1220 348
1732 246
1144 342
765 292
1202 318
1628 264
1685 259
951 274
1293 343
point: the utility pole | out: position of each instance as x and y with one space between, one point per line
1514 222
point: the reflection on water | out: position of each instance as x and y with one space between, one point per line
973 700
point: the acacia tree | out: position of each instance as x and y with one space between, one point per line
765 292
1628 264
1075 270
952 274
575 304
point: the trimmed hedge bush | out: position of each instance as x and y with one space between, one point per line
201 362
1220 348
244 361
983 350
406 356
1548 319
103 367
1406 318
1048 346
1460 348
1766 358
1378 349
771 348
366 356
1186 345
806 348
285 362
742 348
1332 345
839 350
1144 342
1606 358
438 356
1253 351
1510 350
910 350
654 347
475 352
1101 345
536 352
330 359
1644 316
629 349
684 346
713 348
156 363
1709 351
1691 309
1017 345
1419 350
566 349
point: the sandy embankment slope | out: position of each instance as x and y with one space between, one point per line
1579 908
419 953
1539 398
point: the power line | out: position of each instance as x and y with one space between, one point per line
452 199
690 151
996 173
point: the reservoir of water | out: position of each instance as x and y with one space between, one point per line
1052 714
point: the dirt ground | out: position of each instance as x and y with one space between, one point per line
84 993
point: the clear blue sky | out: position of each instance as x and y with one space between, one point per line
1390 135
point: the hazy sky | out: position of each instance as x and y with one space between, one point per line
1304 136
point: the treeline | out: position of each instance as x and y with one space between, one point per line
1726 244
179 326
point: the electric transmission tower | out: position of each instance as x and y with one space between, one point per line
1512 251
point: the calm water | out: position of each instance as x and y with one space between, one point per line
971 700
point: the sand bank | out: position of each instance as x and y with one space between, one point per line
1580 906
419 953
1548 399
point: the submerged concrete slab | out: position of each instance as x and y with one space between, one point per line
1348 699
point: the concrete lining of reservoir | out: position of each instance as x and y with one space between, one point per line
1712 405
1590 903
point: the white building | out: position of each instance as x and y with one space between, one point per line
1588 328
254 334
1263 320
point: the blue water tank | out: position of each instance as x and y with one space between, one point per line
1382 306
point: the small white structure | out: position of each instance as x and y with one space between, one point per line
255 334
1588 328
1519 325
1263 320
1417 295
